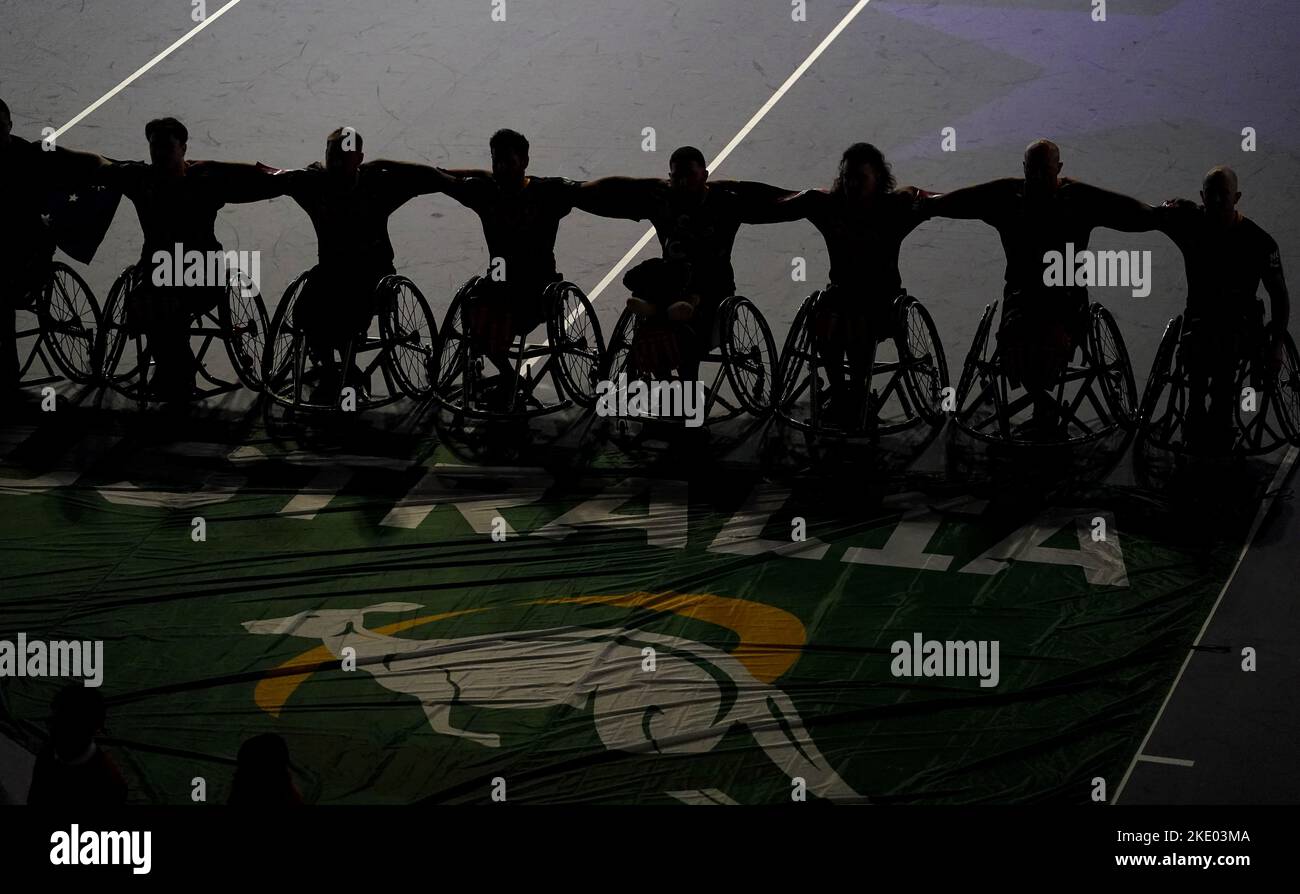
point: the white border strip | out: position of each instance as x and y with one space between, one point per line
1278 478
1171 761
76 119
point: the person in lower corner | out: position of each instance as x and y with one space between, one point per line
263 777
72 770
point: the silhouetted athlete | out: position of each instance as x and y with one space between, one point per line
864 220
349 202
1226 256
177 202
27 173
1034 215
521 216
696 221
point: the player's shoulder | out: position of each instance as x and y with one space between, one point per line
205 169
904 196
553 185
1069 186
20 146
1258 234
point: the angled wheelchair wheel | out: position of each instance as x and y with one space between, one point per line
243 318
618 356
1163 411
574 334
977 358
457 364
979 388
285 359
409 335
70 321
1274 420
1287 385
121 355
799 400
748 355
924 365
1114 371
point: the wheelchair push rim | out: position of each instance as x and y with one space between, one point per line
748 355
461 385
574 333
70 321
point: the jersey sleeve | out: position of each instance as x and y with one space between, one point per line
1175 217
1114 210
238 182
563 195
755 202
984 201
125 177
629 198
473 192
1274 280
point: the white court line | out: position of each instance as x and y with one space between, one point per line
719 158
1278 478
76 119
1171 761
740 135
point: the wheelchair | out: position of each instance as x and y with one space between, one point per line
1094 399
399 343
125 361
739 349
904 392
569 358
1269 419
58 324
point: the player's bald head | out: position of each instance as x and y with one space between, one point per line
1220 177
1042 167
1043 152
1219 194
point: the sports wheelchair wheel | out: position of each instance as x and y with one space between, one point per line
68 321
410 336
1163 416
567 359
748 354
737 372
574 333
903 392
124 358
401 350
1094 398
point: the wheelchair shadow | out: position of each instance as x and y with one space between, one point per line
1032 471
557 438
1227 489
670 448
789 451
